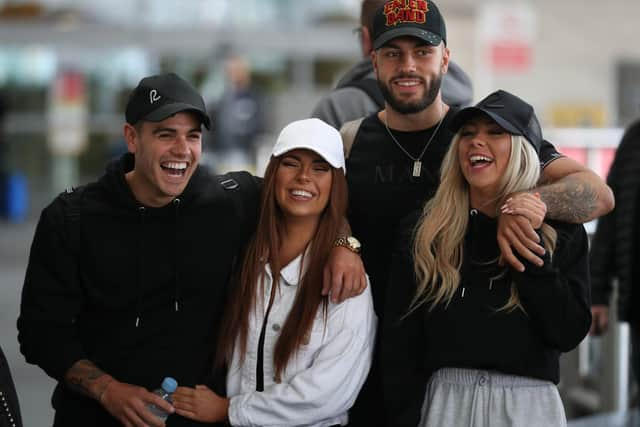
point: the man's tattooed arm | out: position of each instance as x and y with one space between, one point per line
86 378
570 199
574 193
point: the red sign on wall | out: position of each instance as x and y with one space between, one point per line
511 56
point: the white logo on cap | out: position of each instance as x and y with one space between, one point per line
153 96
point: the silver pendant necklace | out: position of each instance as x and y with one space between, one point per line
417 161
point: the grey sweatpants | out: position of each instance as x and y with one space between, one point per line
474 398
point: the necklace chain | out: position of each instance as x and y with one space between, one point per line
419 158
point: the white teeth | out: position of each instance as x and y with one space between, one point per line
475 159
301 193
406 83
175 165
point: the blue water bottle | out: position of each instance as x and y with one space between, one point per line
165 391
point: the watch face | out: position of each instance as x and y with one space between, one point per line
353 242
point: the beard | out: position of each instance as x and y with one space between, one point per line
404 107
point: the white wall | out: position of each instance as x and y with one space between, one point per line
577 45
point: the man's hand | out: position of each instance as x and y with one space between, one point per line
200 404
516 232
599 319
344 275
128 404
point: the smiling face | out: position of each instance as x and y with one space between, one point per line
166 155
484 150
409 73
303 185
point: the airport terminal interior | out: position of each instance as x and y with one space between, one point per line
66 67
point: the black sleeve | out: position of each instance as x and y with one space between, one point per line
548 153
602 259
557 296
51 298
402 343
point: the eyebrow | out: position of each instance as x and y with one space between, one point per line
172 130
319 160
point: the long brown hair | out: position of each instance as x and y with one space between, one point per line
264 248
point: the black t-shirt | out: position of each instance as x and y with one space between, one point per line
383 190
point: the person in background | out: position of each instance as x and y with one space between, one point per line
312 355
357 93
614 249
127 276
466 340
238 119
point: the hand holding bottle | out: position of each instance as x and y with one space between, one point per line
129 404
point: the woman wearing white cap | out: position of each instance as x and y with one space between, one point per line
293 357
468 341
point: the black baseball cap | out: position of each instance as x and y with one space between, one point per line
415 18
159 97
512 113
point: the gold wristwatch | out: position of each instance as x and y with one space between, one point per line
348 242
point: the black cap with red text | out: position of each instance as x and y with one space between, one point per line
414 18
159 97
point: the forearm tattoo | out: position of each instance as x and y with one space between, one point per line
570 200
85 377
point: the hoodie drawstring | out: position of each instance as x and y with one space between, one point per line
466 249
142 211
141 276
176 204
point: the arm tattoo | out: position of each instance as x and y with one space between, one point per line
86 378
570 199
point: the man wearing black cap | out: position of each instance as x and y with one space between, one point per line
396 155
357 93
127 276
125 283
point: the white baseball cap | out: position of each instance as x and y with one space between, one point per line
314 135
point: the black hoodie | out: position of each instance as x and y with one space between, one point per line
139 291
471 332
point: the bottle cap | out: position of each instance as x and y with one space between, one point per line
169 385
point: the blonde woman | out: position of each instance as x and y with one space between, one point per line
468 341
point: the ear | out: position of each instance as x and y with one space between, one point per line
446 55
374 60
130 137
365 41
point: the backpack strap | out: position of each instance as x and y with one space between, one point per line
72 206
348 132
244 191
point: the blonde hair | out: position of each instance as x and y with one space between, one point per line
439 235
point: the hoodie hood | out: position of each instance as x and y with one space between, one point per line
457 89
362 70
115 183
